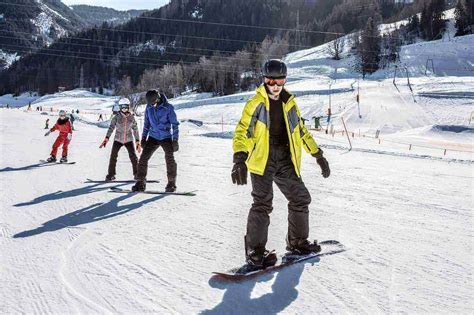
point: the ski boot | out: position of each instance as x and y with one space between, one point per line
63 159
302 247
109 178
139 186
51 159
260 258
171 186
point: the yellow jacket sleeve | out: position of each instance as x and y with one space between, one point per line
309 144
243 141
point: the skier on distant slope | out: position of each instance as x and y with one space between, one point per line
64 138
126 130
160 129
267 142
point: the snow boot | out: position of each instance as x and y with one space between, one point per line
109 178
260 258
171 186
302 247
51 159
139 186
63 159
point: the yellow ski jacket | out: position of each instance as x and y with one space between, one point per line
252 133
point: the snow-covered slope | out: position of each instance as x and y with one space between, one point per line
95 15
69 246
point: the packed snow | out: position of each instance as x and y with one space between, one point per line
402 203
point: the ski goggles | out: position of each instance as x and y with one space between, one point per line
272 82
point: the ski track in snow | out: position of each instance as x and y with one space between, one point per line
69 246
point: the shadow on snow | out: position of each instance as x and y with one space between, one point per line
89 214
68 194
238 299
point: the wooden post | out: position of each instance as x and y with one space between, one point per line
409 149
444 151
379 140
348 139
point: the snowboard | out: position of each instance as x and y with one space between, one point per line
329 247
152 192
131 181
57 162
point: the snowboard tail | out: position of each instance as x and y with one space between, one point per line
130 181
329 247
152 192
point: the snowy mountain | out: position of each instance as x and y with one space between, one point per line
30 24
93 15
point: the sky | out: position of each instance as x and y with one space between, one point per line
121 4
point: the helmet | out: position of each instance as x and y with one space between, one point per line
152 96
124 103
62 112
274 68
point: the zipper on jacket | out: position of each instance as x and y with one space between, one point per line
125 129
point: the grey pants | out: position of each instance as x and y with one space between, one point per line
280 170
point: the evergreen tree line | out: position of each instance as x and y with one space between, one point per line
148 52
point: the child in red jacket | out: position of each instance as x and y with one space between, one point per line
65 135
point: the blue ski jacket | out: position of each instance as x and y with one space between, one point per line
160 121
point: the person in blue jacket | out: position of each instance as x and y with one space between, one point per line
160 129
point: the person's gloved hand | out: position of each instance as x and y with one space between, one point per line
69 136
323 163
239 171
138 146
175 145
47 133
104 143
143 143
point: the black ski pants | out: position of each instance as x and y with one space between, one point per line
114 154
151 146
279 169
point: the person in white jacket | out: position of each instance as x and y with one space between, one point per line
126 131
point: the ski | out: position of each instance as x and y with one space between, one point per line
329 247
57 162
131 181
151 192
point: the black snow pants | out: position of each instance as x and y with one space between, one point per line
151 146
279 169
114 154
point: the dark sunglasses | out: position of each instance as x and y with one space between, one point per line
272 82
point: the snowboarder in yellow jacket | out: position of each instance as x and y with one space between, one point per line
268 142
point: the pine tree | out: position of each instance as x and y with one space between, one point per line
369 48
438 18
463 15
432 22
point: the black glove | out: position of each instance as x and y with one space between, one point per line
175 145
239 171
143 143
323 163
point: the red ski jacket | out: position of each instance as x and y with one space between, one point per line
64 126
